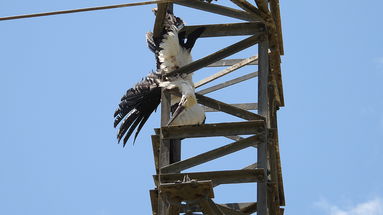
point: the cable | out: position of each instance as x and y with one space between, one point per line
86 9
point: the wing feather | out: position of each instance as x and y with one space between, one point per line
137 105
141 125
132 127
126 124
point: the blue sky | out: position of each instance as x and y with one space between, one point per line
61 78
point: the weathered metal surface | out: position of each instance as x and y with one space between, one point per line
229 62
192 190
154 200
251 9
262 5
156 150
275 11
226 71
243 106
235 208
228 211
217 177
158 24
245 207
229 29
219 55
276 157
164 151
236 138
211 155
263 110
223 107
228 83
218 9
209 207
211 130
252 166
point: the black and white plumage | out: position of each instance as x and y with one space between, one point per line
172 51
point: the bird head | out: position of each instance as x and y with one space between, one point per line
187 100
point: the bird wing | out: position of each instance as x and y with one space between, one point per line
151 44
193 36
136 106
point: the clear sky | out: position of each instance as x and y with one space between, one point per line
61 78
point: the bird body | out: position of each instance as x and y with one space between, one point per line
172 55
194 115
188 111
139 102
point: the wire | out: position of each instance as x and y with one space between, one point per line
86 9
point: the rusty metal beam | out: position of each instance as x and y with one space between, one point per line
218 9
219 55
211 155
228 29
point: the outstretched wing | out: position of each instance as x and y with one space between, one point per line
136 106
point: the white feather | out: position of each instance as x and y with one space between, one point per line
194 115
173 56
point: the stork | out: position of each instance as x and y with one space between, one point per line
139 102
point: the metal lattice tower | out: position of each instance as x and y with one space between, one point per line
192 193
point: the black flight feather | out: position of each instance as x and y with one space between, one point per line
137 105
191 38
132 127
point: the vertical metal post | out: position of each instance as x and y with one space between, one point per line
164 155
263 110
170 150
273 160
263 79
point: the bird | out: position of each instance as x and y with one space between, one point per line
172 51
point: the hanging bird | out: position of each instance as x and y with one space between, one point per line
172 50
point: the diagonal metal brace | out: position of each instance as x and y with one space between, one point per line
219 55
